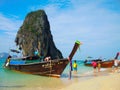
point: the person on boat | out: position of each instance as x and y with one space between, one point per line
47 58
99 66
8 60
36 53
94 64
86 61
116 62
75 66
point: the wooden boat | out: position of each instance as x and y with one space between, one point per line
107 64
89 62
52 68
110 63
104 64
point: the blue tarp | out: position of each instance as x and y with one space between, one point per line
17 62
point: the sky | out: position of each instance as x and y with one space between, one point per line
95 23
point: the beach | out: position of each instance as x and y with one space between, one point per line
105 80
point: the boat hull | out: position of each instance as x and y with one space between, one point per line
52 68
104 64
107 64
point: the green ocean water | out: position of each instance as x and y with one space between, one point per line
11 80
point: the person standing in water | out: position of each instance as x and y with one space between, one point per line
94 64
116 63
75 66
36 53
99 66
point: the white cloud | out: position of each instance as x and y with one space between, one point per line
9 24
98 28
8 29
7 42
11 33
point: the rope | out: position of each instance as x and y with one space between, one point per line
50 67
79 49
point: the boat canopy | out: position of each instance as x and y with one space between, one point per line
13 50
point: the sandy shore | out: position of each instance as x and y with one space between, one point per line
105 80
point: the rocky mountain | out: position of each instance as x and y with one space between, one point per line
35 34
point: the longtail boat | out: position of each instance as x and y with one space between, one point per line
104 64
53 68
107 64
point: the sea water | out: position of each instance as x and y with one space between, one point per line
12 80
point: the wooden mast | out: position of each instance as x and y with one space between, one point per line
116 57
76 46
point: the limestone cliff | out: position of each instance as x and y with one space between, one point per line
35 33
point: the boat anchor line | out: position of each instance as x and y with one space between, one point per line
50 67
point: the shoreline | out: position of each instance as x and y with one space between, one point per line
104 80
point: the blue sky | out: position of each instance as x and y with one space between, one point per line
96 23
